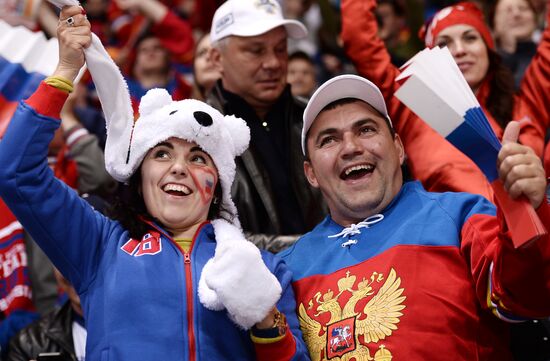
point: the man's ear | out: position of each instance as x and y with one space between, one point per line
310 174
400 148
215 56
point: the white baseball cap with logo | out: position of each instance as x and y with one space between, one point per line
251 18
341 87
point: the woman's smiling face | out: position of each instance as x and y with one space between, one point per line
469 51
177 183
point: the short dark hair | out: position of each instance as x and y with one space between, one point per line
300 55
344 101
395 5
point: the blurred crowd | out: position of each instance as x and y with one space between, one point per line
167 44
164 43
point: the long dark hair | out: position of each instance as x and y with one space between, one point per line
129 208
500 102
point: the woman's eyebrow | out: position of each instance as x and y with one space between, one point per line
165 144
196 148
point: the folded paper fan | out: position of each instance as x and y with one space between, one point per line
433 87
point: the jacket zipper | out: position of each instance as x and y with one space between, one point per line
189 288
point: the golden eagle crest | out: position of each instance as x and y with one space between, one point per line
348 332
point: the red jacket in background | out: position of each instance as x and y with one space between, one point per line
433 160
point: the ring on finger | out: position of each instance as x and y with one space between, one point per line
70 21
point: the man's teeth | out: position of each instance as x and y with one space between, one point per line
177 188
366 167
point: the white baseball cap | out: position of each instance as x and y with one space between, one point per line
341 87
251 18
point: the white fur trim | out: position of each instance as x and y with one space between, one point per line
239 277
208 296
153 100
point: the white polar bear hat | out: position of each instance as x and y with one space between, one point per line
222 137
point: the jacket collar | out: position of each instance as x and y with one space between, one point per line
221 98
60 329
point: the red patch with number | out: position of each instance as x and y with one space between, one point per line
150 245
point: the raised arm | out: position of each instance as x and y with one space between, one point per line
63 224
533 98
174 33
365 48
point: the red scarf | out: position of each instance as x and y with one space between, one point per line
15 290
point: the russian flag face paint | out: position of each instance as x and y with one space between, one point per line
205 179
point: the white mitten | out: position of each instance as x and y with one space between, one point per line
237 278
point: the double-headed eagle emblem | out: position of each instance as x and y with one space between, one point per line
349 332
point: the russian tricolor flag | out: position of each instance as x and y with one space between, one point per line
26 58
434 88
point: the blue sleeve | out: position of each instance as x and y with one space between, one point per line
69 231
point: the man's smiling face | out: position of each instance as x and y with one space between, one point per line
355 160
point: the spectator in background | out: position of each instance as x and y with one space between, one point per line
332 59
514 23
152 68
97 13
153 48
308 13
205 73
22 12
61 332
394 30
462 29
249 47
199 13
301 75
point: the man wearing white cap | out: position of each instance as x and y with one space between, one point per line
398 272
273 197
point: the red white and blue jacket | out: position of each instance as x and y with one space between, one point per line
139 296
417 282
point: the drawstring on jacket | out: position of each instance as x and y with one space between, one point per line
356 229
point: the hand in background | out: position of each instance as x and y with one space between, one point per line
151 9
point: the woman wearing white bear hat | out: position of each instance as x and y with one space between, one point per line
144 296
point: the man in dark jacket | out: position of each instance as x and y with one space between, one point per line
273 198
60 333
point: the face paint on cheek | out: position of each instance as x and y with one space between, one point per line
205 181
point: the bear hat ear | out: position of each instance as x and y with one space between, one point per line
239 132
154 99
